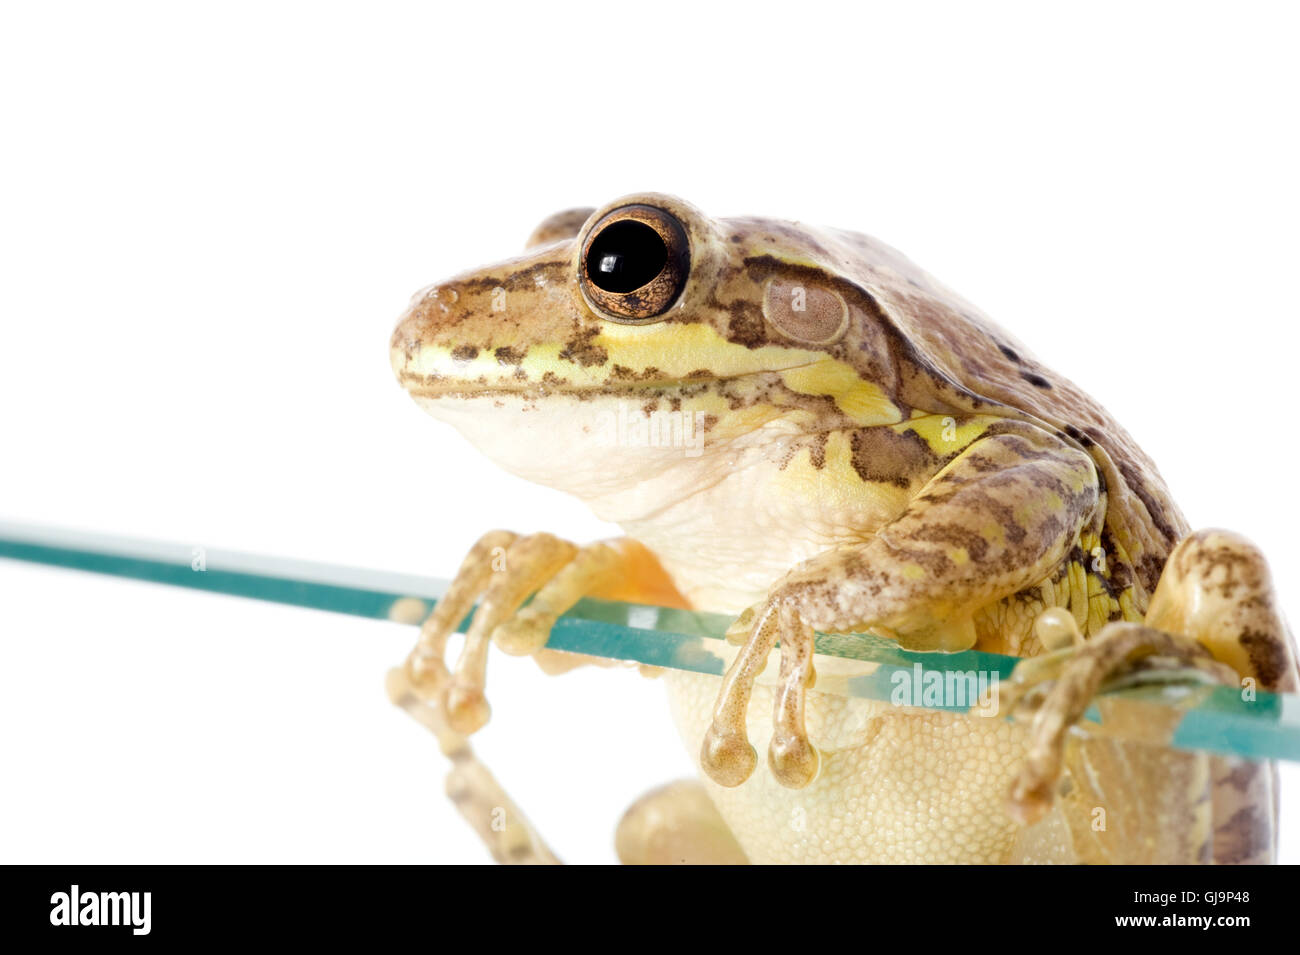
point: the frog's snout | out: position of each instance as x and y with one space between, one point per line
429 319
412 325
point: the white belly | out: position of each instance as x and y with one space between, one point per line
896 785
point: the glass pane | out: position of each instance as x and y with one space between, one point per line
1214 718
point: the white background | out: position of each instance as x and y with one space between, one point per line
209 221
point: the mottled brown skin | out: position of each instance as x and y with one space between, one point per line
928 351
972 487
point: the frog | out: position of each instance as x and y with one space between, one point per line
870 454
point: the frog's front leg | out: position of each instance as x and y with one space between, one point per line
501 570
999 517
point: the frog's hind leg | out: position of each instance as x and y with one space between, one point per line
1214 611
1074 676
676 824
1216 588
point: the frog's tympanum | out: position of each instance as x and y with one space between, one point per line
830 440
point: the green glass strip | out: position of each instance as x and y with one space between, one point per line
861 665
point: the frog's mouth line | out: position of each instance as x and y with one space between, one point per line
419 387
429 387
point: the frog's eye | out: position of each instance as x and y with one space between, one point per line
634 263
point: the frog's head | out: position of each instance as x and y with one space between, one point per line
647 321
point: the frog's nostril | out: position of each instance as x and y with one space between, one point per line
634 263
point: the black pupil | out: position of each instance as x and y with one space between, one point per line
625 256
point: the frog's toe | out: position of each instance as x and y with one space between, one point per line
525 633
793 759
467 708
1056 629
1030 799
726 754
743 625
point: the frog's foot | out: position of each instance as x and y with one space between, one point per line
500 572
676 824
727 755
1059 686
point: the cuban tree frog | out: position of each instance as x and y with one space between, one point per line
872 454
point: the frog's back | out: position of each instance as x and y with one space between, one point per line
959 358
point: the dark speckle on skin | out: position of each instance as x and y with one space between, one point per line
464 353
746 325
883 456
1243 837
817 451
1268 657
1149 568
1010 353
1153 503
580 349
1079 436
1240 777
509 356
512 281
1038 381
